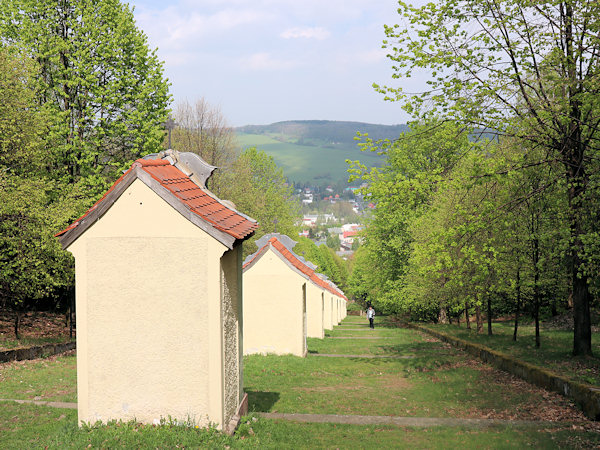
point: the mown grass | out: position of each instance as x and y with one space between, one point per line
437 381
52 379
308 164
434 381
554 352
27 426
10 343
359 339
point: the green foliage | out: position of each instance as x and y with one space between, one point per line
81 96
327 262
258 188
32 265
23 123
104 87
333 242
353 306
417 163
528 70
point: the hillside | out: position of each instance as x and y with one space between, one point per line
323 132
315 151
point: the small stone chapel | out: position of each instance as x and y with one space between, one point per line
158 264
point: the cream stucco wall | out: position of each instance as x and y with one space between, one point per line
314 310
336 311
149 315
328 311
273 307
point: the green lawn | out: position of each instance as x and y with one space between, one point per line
554 352
53 379
10 343
25 426
308 164
435 381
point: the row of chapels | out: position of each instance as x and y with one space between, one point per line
163 317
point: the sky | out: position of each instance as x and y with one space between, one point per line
264 61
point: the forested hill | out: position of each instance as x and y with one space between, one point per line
323 132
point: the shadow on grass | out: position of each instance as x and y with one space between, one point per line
259 401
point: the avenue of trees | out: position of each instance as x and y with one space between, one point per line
494 222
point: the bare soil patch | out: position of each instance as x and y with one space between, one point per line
39 326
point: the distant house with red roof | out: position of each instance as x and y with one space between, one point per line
158 272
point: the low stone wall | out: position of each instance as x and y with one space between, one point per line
586 396
40 351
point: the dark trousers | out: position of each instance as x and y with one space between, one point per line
371 323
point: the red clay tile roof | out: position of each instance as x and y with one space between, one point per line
198 199
288 255
195 198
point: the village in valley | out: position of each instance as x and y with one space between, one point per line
337 227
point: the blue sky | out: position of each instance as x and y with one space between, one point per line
263 61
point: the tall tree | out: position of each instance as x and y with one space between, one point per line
202 129
105 87
257 186
31 262
527 69
401 190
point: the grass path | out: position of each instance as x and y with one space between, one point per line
417 393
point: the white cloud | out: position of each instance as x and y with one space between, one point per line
173 27
318 33
264 61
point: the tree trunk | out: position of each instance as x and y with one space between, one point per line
443 315
518 305
17 323
536 289
536 315
489 314
467 315
479 318
582 331
573 151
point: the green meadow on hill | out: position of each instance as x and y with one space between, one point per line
314 165
315 152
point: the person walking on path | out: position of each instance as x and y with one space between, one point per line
370 316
